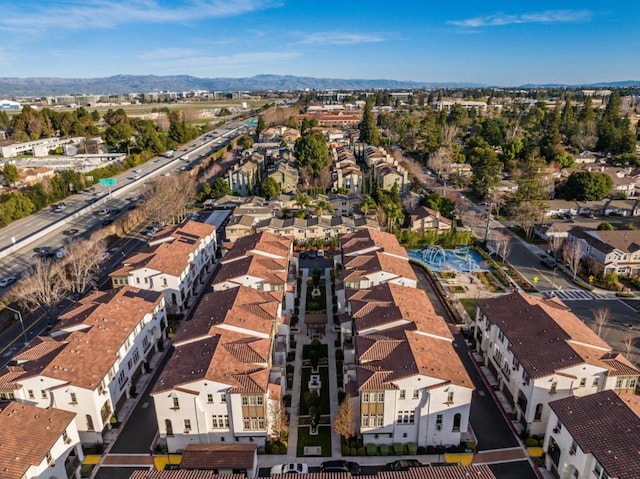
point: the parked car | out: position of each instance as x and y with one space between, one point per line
341 466
290 468
320 253
402 465
548 262
9 280
312 255
303 255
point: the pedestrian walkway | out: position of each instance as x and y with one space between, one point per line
576 295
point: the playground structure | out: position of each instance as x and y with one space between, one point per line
459 259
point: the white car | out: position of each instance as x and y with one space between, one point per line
290 468
135 177
4 282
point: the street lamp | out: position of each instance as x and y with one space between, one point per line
17 315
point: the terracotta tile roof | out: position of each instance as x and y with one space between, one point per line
266 242
240 307
412 353
31 362
170 252
90 353
28 434
603 425
182 474
270 270
619 365
218 456
366 264
544 335
388 303
370 239
440 472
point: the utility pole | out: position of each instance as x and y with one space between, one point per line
486 228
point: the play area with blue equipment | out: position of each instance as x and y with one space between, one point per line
460 259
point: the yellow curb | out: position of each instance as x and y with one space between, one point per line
92 459
535 451
463 458
162 461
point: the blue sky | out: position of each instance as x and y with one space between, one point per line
489 42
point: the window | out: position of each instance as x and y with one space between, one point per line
632 383
457 418
618 383
223 398
450 397
176 403
380 397
573 448
403 394
554 385
30 393
583 382
209 398
187 424
365 397
49 458
168 427
253 423
65 437
372 420
164 281
500 336
406 417
439 420
538 413
43 393
73 397
9 396
89 420
220 421
595 382
416 393
137 280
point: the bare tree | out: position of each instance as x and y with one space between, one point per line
601 319
628 341
167 198
524 214
440 161
449 133
344 423
42 286
555 245
162 122
81 264
502 243
573 254
278 420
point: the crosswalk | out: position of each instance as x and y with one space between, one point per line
574 295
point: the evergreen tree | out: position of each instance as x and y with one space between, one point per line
369 133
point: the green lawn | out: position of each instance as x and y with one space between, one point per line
323 439
470 306
324 390
319 303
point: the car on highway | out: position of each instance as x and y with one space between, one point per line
107 221
92 200
104 212
290 468
341 466
71 232
60 207
42 249
135 177
7 281
402 465
139 170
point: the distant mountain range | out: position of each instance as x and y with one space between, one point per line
122 84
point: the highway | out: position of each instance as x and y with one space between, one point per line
48 227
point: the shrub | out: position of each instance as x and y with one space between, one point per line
384 450
353 451
268 448
531 442
339 354
261 449
372 450
412 448
361 451
345 450
422 450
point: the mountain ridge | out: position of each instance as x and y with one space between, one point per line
123 84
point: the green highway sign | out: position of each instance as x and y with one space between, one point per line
107 182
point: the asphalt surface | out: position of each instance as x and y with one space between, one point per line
513 470
115 472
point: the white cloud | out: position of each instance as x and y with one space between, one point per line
340 38
82 15
548 16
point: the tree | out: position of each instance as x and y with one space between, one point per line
118 136
312 153
278 420
167 198
486 174
260 126
587 186
81 263
344 423
369 133
270 187
41 287
366 204
10 173
573 254
440 161
502 244
219 188
524 214
605 226
601 319
302 200
628 342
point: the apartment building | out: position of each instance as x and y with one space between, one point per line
376 267
595 436
424 219
316 227
90 363
176 263
539 351
285 175
388 174
219 385
38 443
244 176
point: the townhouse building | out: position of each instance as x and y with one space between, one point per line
374 268
316 227
595 436
39 443
219 385
387 174
376 154
176 263
244 176
608 251
538 351
286 175
425 219
90 364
